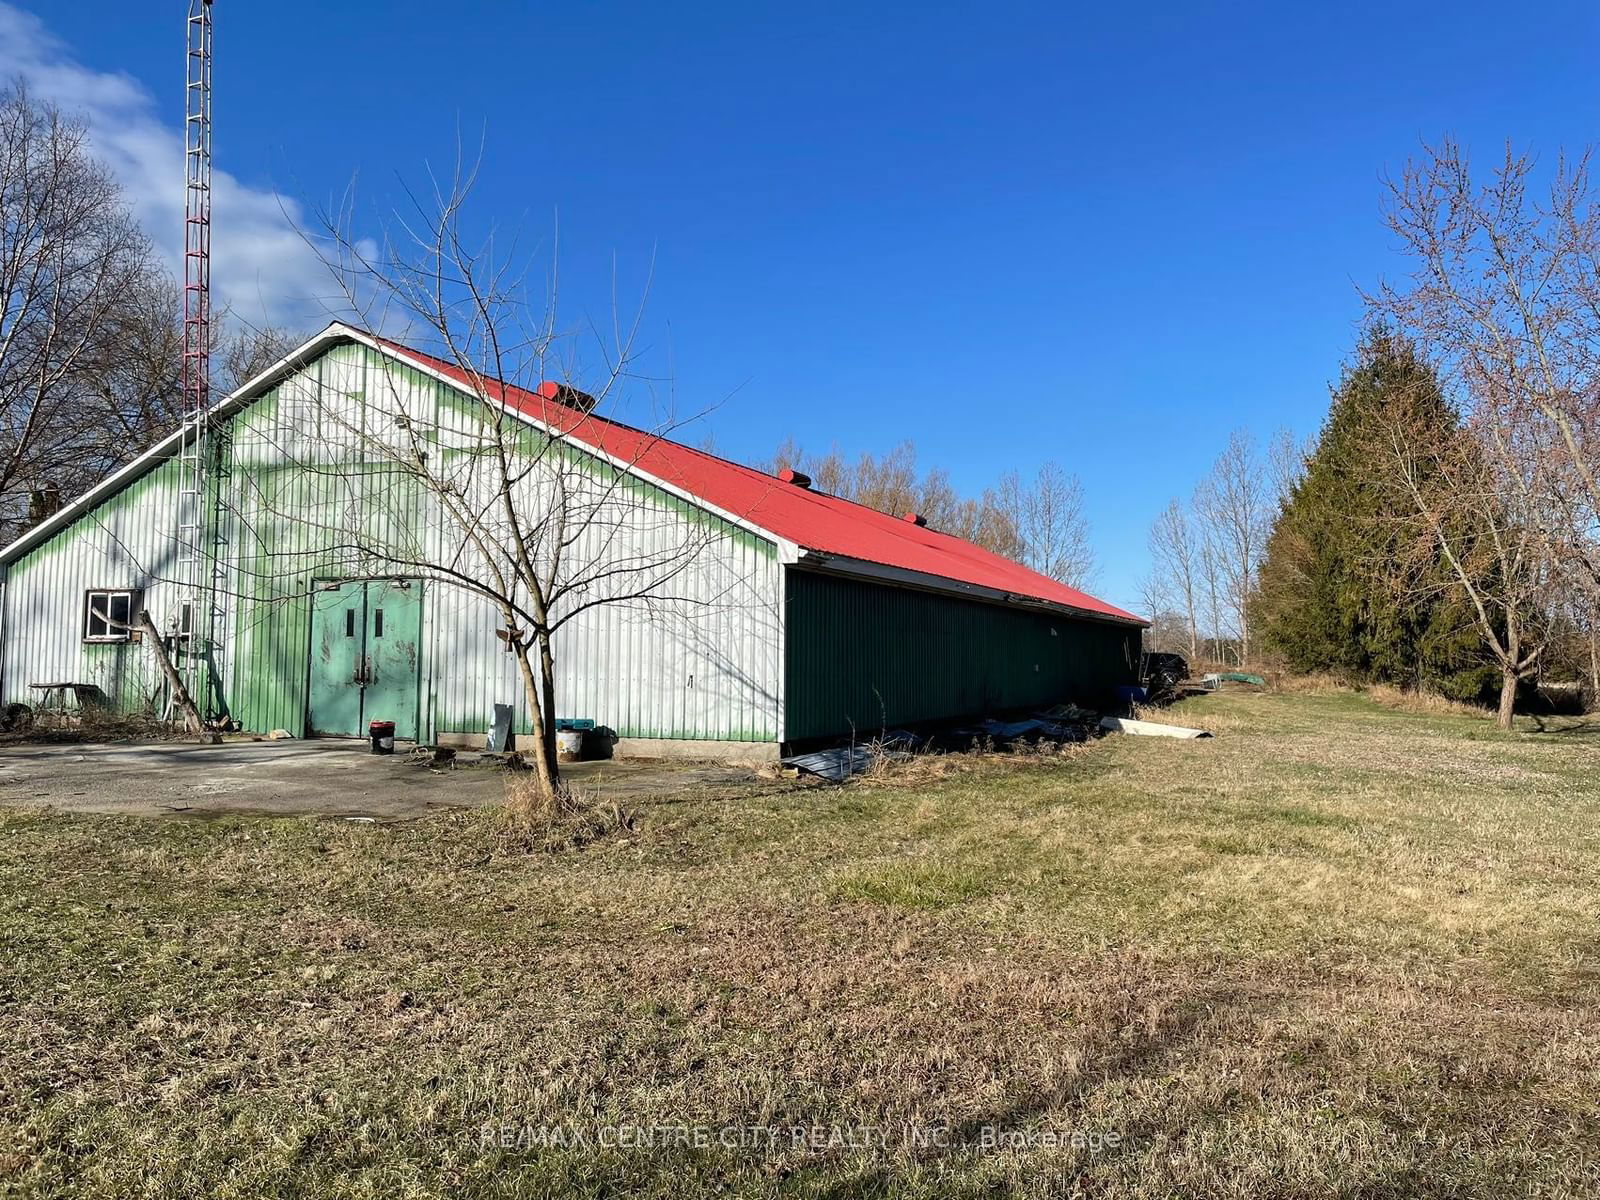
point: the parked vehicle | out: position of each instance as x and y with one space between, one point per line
1163 672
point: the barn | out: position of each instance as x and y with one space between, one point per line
799 617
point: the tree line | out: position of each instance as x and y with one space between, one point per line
1040 521
1206 552
91 328
1443 530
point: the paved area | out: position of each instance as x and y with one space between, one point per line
295 778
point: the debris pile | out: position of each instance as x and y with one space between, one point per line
1061 725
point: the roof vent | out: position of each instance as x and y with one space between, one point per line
570 396
790 475
916 519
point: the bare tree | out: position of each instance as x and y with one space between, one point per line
1051 521
1286 465
830 473
1575 616
984 521
246 350
893 485
129 387
70 254
1176 571
1168 631
1234 507
1504 293
1213 592
790 455
91 337
1471 511
131 375
889 484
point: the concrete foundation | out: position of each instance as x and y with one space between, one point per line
739 754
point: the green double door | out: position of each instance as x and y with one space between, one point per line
366 640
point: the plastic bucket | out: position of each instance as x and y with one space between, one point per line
569 744
382 735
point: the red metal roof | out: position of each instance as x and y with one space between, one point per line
810 519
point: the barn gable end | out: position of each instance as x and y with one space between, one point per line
286 495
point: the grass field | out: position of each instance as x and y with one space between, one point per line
1337 950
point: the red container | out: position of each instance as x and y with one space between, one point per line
382 735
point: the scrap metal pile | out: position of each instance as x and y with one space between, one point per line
1065 723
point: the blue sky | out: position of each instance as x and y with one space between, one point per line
1009 232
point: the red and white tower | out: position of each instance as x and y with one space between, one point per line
197 213
194 551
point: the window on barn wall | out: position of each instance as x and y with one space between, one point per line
108 616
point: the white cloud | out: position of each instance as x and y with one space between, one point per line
260 266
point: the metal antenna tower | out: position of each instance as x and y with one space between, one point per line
195 553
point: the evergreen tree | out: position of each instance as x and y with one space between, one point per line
1327 597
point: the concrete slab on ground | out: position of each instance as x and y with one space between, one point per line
330 778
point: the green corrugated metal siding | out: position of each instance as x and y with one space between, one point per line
294 496
863 657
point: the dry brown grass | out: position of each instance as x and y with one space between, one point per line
1337 950
1412 700
1415 700
92 724
891 767
532 819
1318 683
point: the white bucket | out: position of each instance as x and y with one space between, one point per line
569 744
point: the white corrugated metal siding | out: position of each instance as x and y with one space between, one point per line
123 544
